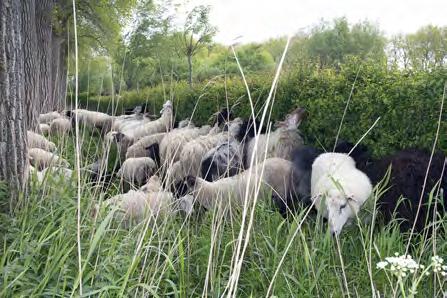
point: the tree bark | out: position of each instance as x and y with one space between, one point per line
44 52
59 72
31 64
13 147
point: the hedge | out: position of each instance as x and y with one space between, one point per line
408 103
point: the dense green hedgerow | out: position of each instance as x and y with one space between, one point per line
408 103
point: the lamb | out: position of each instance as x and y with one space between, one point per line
279 143
338 188
42 159
148 202
48 117
38 141
274 175
60 126
136 171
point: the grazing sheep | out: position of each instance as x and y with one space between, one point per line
44 128
41 159
338 188
279 143
227 157
171 145
140 148
162 124
223 160
275 175
58 172
302 159
92 119
48 117
97 173
190 157
148 202
121 141
141 109
407 176
184 123
38 141
60 126
136 171
127 123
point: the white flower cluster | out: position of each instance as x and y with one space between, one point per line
438 266
399 265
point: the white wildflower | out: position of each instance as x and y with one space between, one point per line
382 265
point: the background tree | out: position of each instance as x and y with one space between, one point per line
197 33
31 63
13 162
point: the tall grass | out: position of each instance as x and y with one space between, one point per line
51 248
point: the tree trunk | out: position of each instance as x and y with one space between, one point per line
31 64
190 70
13 147
44 52
59 72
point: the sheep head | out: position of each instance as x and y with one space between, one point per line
342 200
167 106
294 119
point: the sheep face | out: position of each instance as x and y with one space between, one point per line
341 203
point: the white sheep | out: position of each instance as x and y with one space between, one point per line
274 175
36 140
279 143
42 159
338 188
59 172
48 117
191 155
174 141
150 202
44 128
60 126
92 119
126 123
139 148
136 171
162 124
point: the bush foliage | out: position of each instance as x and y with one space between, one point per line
407 102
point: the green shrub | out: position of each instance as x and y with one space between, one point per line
407 103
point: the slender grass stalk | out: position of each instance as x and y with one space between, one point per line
78 153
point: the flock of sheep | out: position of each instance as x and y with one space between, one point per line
169 167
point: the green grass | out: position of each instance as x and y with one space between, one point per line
39 251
